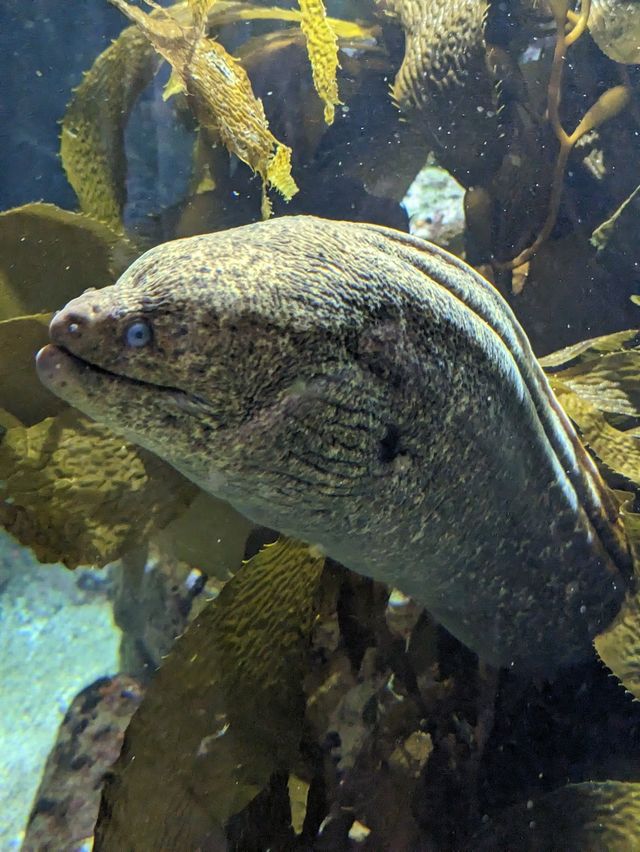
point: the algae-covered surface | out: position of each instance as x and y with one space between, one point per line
57 636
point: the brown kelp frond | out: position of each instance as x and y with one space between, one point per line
227 705
597 385
22 394
608 105
615 28
70 490
322 48
619 645
222 99
209 534
75 493
605 232
589 350
47 256
92 137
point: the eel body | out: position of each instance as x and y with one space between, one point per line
360 389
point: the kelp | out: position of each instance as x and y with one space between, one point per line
619 645
600 379
322 47
49 255
227 706
598 386
611 382
589 816
75 493
22 394
609 104
618 450
92 137
221 97
588 350
70 490
615 28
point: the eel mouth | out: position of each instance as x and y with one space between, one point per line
68 376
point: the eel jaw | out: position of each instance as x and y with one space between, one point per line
60 371
83 384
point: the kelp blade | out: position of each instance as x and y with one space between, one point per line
92 138
619 645
322 48
49 255
22 394
224 712
75 493
221 96
599 383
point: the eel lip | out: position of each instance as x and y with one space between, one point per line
57 367
50 361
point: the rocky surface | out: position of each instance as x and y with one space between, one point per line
57 636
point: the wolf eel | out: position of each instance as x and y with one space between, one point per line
358 388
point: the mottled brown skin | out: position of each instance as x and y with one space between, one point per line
445 85
361 389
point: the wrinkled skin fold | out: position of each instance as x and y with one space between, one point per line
365 391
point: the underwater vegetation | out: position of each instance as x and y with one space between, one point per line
301 708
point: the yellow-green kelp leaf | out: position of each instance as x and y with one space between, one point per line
619 645
229 11
75 493
611 382
22 394
223 713
92 139
591 349
48 256
221 97
600 378
619 450
576 818
200 10
322 47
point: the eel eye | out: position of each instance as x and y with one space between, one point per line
138 334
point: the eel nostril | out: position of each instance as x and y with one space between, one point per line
67 325
74 324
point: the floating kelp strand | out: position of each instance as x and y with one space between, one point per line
221 97
322 47
92 137
228 706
